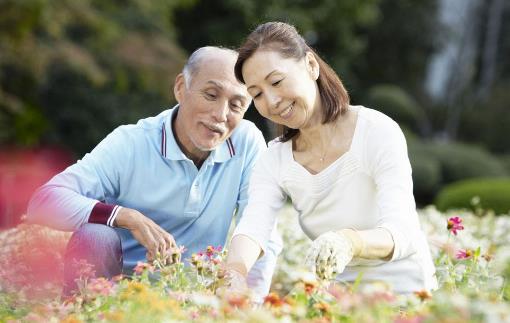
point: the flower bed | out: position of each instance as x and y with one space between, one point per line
471 255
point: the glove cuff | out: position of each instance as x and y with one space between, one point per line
237 267
358 245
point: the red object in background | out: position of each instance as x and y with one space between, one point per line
22 171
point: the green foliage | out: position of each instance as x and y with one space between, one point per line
397 104
70 71
399 45
487 123
487 193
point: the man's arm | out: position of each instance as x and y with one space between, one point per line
78 195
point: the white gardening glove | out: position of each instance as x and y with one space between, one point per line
234 281
329 254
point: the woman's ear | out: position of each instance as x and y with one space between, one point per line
312 65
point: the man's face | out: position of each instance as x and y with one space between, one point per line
211 106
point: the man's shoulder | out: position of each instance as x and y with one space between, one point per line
247 140
246 132
145 124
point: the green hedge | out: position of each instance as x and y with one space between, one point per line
438 164
494 194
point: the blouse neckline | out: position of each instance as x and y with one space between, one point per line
337 161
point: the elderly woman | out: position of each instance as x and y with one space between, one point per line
344 167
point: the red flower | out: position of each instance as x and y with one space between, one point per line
454 224
464 254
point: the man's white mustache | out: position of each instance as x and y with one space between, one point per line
216 127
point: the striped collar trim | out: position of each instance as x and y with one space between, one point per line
170 149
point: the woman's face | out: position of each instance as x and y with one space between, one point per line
284 90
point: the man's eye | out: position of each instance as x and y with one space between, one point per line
236 108
256 95
210 96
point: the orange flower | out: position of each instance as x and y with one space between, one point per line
273 300
423 295
322 306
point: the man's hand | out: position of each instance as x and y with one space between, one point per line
150 235
329 254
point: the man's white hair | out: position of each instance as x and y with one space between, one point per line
196 58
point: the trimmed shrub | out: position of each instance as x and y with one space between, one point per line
493 194
461 161
437 164
426 177
397 104
505 160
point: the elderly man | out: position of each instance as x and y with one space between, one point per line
173 179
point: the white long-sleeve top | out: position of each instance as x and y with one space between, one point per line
368 187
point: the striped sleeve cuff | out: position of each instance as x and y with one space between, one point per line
103 213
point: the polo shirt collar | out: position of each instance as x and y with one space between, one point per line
171 150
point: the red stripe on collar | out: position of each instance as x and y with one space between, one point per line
231 147
163 141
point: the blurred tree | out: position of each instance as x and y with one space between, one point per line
72 70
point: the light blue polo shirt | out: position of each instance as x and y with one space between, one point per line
141 167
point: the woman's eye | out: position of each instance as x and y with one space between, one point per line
276 83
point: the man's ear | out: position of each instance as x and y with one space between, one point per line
312 65
179 87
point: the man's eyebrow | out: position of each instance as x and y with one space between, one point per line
238 96
217 84
265 78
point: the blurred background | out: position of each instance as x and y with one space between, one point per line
71 71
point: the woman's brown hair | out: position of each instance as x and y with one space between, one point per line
284 39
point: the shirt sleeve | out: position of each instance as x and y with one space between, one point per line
390 167
78 194
265 199
260 275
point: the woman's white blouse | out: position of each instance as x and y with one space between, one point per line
368 187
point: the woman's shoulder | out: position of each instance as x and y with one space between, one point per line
374 117
276 151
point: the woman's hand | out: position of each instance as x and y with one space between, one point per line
329 254
234 281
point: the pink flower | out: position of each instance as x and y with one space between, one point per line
464 254
142 266
101 286
454 224
85 270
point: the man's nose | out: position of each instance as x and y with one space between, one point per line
221 111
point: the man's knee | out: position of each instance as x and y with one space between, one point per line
92 237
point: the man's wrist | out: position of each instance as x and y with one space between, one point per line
124 218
